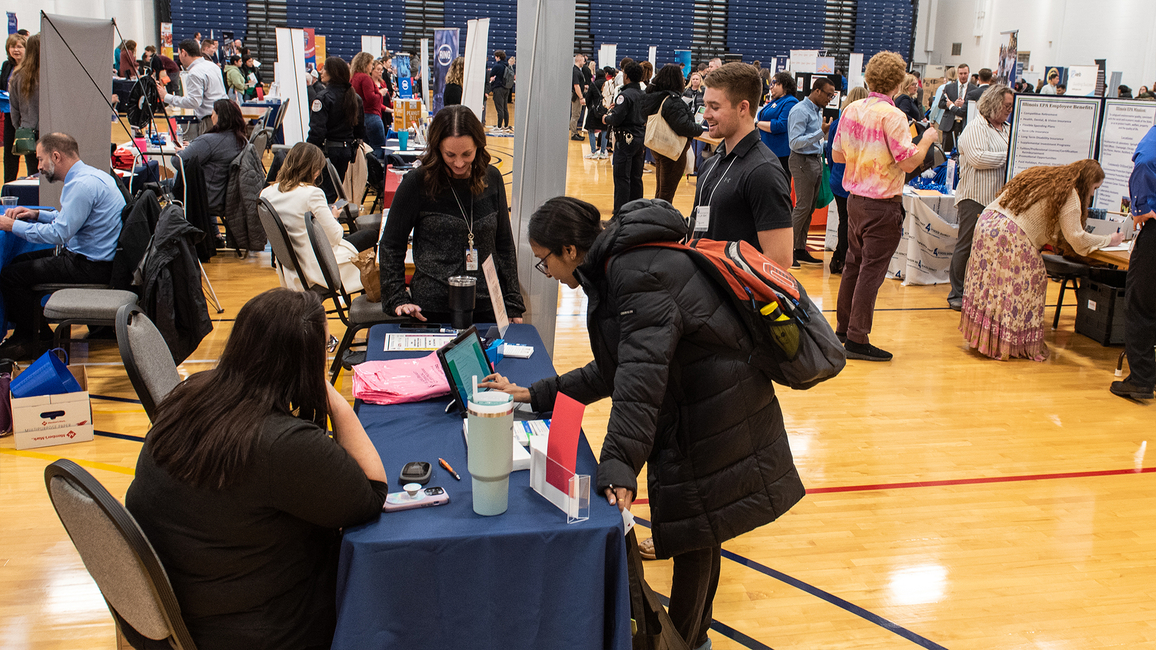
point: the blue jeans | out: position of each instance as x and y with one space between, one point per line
599 137
375 134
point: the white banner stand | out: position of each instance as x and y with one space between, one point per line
474 88
607 53
290 72
653 57
855 72
373 44
425 96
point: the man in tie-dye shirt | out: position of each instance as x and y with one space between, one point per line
875 143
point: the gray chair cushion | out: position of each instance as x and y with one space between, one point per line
362 312
109 559
87 304
369 222
153 360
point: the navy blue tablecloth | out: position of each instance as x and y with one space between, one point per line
10 247
445 577
26 195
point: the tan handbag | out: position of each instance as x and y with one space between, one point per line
660 138
366 262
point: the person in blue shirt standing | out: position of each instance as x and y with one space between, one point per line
772 118
806 128
1140 287
839 257
87 226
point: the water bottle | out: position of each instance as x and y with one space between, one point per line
950 180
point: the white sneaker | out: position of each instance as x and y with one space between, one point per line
590 156
602 155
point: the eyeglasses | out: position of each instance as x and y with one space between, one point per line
541 265
331 345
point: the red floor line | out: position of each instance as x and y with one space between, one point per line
966 481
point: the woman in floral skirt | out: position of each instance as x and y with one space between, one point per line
1006 284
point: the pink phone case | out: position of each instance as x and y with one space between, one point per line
426 498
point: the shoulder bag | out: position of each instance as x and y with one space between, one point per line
660 138
24 143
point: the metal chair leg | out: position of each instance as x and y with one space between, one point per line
346 343
1120 364
211 294
1060 302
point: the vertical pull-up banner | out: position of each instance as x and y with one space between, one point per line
445 51
290 72
69 102
474 84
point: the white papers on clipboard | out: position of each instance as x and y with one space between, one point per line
404 342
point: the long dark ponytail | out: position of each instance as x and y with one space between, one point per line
338 71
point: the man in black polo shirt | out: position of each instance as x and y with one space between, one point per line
577 97
743 193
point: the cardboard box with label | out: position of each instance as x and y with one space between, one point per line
49 420
405 113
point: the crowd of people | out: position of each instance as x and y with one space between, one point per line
236 458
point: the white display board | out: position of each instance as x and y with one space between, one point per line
652 56
855 72
375 45
1125 123
474 88
804 60
425 77
825 65
1051 130
1082 80
607 53
290 72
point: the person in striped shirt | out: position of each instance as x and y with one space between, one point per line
982 170
874 142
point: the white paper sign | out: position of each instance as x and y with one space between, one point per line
1050 130
1082 80
825 65
495 289
855 72
804 60
1125 123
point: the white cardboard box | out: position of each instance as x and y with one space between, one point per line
50 420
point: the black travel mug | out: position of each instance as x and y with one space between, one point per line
463 290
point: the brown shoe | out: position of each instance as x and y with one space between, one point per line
646 549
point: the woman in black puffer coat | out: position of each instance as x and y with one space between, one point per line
668 85
668 347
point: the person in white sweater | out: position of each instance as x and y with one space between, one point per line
1006 284
292 196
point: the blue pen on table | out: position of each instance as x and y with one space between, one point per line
443 463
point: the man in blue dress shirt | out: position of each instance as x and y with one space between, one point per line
85 232
806 128
1140 291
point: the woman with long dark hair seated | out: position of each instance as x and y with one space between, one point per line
455 206
243 494
215 149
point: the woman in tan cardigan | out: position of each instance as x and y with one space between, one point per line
1006 284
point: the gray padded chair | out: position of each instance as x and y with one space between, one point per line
351 214
117 555
283 253
91 307
147 360
260 140
361 313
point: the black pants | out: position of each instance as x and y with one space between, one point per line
1140 309
628 161
692 593
968 213
339 155
667 173
363 239
12 161
501 106
841 244
40 267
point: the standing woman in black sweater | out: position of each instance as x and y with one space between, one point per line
14 49
455 206
336 121
665 93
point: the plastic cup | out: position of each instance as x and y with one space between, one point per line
491 458
403 140
7 202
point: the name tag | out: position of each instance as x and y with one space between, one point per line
702 218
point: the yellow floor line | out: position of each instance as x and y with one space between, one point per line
119 469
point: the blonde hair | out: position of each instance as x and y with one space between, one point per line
362 62
29 68
991 101
457 71
855 94
885 71
949 73
912 83
14 39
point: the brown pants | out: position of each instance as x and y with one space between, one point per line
668 173
874 228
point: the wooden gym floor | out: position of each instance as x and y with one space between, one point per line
954 501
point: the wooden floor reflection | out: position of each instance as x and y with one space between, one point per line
970 503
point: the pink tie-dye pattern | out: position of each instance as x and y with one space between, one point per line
873 137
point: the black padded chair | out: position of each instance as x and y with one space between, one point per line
1064 271
118 556
147 360
360 313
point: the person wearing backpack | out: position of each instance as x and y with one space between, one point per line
501 81
671 351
